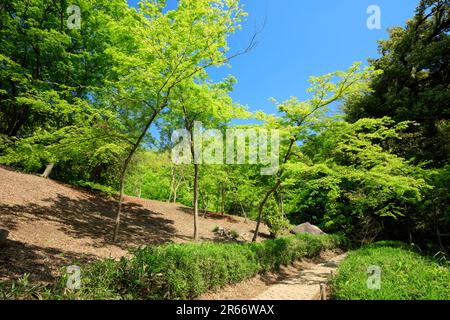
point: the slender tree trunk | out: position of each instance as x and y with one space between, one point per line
175 193
205 211
196 174
275 188
243 212
121 193
195 202
204 203
261 209
222 207
125 169
172 184
48 170
189 127
218 199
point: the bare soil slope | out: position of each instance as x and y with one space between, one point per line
53 225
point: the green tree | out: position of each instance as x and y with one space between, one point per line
52 80
299 118
346 180
414 83
171 47
207 104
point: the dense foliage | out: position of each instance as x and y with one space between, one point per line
405 275
349 181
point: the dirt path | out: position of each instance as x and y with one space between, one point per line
303 286
298 282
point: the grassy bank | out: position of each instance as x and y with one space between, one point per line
180 271
405 275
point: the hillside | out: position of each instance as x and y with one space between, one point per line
53 225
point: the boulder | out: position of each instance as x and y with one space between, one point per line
307 228
3 236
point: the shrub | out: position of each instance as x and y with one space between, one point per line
185 271
406 275
278 224
234 234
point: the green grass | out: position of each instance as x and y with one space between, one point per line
405 275
182 271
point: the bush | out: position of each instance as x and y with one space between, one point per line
277 223
185 271
406 275
234 234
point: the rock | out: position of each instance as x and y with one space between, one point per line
220 231
245 237
307 228
3 236
227 233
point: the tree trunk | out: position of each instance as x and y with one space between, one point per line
205 203
175 195
218 199
172 184
243 212
48 171
119 207
222 207
205 211
126 165
261 208
195 202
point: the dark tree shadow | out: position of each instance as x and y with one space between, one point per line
93 217
42 264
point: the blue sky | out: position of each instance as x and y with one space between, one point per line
303 38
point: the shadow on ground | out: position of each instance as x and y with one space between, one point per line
42 264
93 217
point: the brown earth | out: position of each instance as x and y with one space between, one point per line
54 225
300 281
